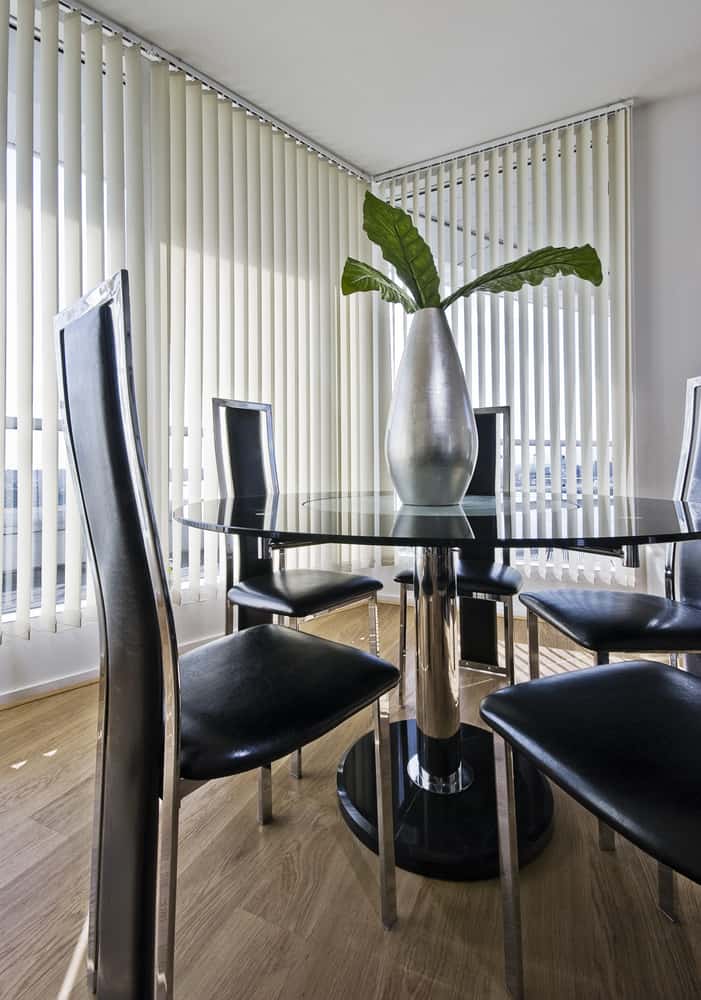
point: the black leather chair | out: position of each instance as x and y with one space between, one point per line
605 621
480 578
246 466
170 723
624 741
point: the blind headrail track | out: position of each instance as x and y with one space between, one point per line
157 53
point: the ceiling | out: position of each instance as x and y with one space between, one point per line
385 83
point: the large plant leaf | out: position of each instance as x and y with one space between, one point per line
360 277
533 269
403 246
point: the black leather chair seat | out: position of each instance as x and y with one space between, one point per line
625 741
612 620
477 576
300 592
257 695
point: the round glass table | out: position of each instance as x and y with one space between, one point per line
443 774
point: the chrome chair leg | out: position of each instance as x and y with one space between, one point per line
509 640
93 905
373 626
296 757
385 820
265 795
167 888
533 650
508 865
402 642
666 892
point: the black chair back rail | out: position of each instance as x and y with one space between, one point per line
246 467
138 649
684 561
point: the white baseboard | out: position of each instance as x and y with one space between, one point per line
33 692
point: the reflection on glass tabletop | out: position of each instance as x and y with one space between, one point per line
510 520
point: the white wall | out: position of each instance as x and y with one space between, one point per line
666 215
50 661
666 207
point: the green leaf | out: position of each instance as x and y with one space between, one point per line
533 269
360 277
403 246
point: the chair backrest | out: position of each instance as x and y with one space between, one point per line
138 655
246 467
492 473
684 559
245 448
493 469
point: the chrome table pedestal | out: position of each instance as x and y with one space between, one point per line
443 772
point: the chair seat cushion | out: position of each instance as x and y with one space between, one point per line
613 620
625 741
257 695
477 576
299 592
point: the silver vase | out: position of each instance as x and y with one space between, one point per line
431 440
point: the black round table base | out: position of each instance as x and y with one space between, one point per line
444 836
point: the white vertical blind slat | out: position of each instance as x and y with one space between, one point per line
303 321
540 363
512 371
292 284
524 421
210 316
24 249
193 317
480 267
466 176
93 132
115 256
72 252
253 181
314 306
569 340
278 362
240 199
553 311
325 332
225 195
619 153
135 255
454 223
48 144
586 355
601 305
177 221
267 350
494 259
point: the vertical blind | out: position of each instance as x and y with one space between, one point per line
234 235
558 354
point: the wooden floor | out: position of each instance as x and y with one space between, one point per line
289 910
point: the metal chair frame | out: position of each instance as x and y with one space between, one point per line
507 602
219 406
509 868
114 293
665 877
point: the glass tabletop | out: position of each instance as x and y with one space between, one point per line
505 521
